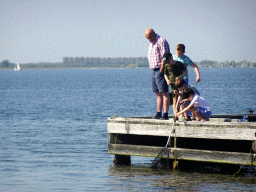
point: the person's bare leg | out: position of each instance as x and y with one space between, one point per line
159 97
166 101
186 113
196 113
182 106
174 104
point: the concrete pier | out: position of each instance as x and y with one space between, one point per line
225 139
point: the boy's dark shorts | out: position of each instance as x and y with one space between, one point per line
186 81
158 82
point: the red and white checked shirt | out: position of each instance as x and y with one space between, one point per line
156 50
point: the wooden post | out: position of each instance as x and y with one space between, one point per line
253 152
122 160
168 156
175 162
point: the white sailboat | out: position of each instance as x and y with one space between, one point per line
17 68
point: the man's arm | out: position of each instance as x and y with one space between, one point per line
164 47
162 67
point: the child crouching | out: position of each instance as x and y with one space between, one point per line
199 107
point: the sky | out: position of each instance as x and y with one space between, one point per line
34 31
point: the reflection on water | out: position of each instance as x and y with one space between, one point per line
196 178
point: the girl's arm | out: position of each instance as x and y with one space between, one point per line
177 104
186 109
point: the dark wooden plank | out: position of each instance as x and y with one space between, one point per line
184 154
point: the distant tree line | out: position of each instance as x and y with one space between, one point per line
6 65
107 62
207 63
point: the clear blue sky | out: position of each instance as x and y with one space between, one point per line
48 30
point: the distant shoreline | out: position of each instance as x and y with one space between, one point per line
61 68
120 62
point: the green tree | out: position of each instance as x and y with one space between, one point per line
5 64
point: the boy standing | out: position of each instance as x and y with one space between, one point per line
180 50
172 70
199 107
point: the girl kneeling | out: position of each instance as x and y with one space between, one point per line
199 107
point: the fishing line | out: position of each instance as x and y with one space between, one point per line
165 150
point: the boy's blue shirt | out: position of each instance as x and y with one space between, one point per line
185 60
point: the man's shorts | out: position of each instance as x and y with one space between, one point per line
204 112
158 82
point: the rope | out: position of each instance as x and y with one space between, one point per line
170 134
175 163
245 160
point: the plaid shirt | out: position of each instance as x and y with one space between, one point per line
156 50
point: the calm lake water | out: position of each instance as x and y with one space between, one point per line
53 129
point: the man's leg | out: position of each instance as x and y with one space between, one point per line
166 101
159 100
161 90
166 104
159 97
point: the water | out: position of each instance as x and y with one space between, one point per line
53 134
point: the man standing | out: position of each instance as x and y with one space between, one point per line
157 47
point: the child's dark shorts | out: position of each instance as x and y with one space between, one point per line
186 81
158 82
